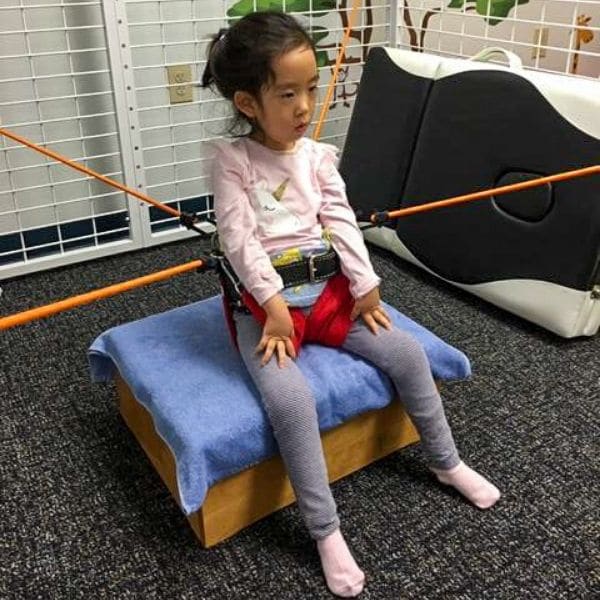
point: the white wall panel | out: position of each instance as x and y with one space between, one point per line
56 90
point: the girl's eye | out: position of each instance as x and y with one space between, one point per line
287 95
312 89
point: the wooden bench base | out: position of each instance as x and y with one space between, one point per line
244 498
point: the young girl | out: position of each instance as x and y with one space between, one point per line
281 212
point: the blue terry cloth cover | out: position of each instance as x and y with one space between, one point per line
182 367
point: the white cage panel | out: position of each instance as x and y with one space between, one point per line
176 137
561 36
56 91
89 79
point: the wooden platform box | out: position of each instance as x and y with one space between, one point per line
244 498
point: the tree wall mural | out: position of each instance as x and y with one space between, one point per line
493 11
583 35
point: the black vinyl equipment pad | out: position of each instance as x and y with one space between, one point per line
425 128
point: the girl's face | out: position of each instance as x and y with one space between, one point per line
287 103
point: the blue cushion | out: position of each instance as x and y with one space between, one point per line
183 368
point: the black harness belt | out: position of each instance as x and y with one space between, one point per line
313 269
310 270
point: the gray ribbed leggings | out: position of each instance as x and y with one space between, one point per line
290 406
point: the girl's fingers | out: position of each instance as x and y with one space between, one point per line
281 354
375 317
261 345
271 343
371 323
382 317
289 347
281 346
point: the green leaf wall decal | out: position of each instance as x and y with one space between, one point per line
244 7
318 33
497 9
319 7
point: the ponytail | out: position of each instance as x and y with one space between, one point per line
215 46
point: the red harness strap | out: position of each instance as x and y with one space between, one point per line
327 323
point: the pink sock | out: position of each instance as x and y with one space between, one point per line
470 484
342 574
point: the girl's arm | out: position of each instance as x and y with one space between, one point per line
237 233
237 226
337 215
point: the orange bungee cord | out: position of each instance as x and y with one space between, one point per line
50 309
187 219
377 219
74 301
336 70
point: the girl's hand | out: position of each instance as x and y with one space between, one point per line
370 309
277 332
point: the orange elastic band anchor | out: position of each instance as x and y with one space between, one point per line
379 218
51 309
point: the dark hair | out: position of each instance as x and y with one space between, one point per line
240 58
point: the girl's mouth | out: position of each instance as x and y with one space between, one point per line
302 128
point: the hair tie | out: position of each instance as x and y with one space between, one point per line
221 35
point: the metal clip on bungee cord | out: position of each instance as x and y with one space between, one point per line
205 228
377 219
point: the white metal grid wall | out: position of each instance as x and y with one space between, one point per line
561 36
56 90
89 79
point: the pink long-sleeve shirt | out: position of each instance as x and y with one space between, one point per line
267 201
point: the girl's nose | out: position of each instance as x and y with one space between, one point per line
303 105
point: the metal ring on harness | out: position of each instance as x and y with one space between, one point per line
312 269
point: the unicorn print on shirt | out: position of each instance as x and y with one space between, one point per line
272 217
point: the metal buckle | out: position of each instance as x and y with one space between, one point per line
312 269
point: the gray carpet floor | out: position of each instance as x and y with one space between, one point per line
84 515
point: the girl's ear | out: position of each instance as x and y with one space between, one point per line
245 103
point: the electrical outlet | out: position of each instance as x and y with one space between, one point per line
540 41
180 78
